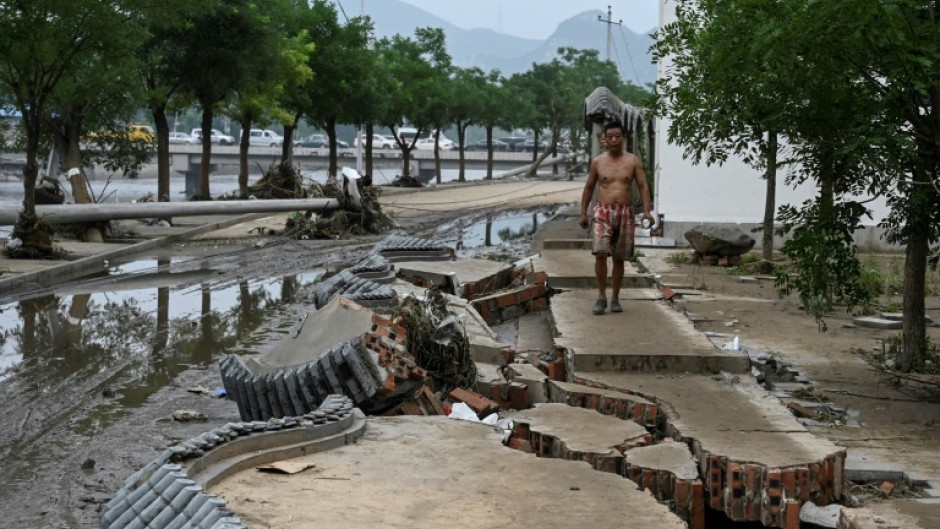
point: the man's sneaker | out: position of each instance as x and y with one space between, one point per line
615 306
600 306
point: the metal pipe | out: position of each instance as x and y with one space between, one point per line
68 213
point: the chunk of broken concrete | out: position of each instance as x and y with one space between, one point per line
872 322
714 239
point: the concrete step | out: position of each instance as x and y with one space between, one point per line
647 336
568 269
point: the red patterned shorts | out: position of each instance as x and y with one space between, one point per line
613 231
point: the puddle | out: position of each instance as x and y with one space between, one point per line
135 340
496 229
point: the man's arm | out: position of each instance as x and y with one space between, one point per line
644 189
588 193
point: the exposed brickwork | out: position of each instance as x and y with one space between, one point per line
642 413
497 307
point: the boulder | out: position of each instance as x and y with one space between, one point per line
725 241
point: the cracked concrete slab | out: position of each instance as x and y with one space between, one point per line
671 457
457 475
580 429
739 420
646 336
575 269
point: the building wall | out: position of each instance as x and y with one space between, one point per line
732 193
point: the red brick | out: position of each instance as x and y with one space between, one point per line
508 354
698 505
792 515
556 369
478 403
802 482
714 482
507 300
541 278
683 497
788 477
518 395
538 304
801 411
499 393
668 293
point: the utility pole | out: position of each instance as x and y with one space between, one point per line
610 22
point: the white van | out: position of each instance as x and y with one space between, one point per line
407 134
265 138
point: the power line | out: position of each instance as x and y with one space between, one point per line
629 56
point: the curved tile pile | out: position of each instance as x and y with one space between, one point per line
374 370
169 492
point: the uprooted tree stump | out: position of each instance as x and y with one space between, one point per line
35 237
280 181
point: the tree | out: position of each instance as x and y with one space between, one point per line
40 42
491 112
340 70
216 50
467 100
411 69
723 94
855 89
279 62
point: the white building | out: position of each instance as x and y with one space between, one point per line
732 193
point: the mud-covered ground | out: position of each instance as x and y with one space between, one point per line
93 398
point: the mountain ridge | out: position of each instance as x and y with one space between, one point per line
487 49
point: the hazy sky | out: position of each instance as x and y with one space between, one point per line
535 18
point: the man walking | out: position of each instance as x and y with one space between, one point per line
613 173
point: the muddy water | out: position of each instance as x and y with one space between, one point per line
148 326
494 230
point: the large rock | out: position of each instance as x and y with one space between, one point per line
712 239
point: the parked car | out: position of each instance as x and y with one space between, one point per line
498 146
215 137
529 146
340 144
515 142
313 141
182 137
265 138
380 142
427 144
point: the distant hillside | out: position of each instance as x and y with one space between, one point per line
488 49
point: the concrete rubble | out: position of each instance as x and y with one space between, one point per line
640 396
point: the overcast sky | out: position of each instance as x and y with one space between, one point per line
535 19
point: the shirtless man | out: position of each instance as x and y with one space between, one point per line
613 173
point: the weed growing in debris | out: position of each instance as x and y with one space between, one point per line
437 340
679 258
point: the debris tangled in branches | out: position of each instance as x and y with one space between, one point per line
406 181
34 240
437 341
280 181
347 220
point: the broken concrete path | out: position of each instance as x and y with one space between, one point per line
575 269
646 336
454 474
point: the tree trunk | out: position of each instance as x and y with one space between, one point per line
331 134
770 202
437 154
244 143
556 135
287 150
530 172
489 152
461 132
914 333
535 145
204 192
367 145
73 160
163 152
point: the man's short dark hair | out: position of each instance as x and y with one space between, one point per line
614 125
